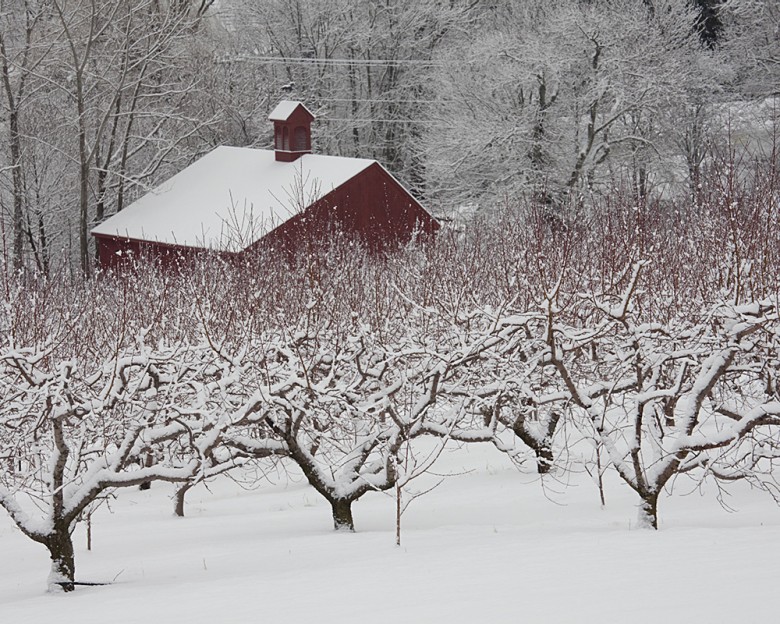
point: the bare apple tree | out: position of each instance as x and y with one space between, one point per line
670 398
85 396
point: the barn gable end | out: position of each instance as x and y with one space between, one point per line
372 207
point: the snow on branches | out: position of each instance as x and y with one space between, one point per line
118 383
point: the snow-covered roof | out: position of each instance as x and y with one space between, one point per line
284 109
230 198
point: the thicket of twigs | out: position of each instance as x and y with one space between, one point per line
649 329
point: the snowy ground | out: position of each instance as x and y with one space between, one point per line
487 546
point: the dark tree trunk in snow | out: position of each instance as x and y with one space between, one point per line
342 515
648 512
148 463
181 492
63 564
541 446
544 458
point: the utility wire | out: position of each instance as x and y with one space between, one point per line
403 121
248 58
373 101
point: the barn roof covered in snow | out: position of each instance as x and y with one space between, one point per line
230 198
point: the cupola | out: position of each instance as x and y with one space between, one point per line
292 130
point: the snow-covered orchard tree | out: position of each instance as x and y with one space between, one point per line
670 398
359 368
341 406
90 384
73 430
497 386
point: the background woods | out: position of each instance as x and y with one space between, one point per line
465 102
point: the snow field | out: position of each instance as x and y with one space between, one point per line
488 545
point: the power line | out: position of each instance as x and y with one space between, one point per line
404 121
248 58
374 101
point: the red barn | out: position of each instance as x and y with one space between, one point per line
237 199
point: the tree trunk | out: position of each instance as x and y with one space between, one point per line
398 513
342 515
648 512
84 208
544 458
541 448
18 192
14 143
148 463
181 492
63 564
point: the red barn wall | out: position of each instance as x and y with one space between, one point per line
113 252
